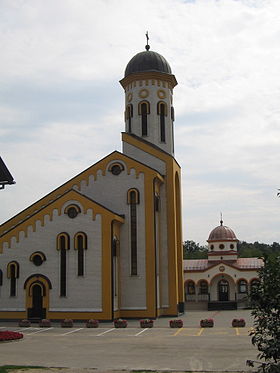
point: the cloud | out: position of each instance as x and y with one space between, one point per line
60 95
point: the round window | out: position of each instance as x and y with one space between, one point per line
72 212
231 246
212 247
221 246
116 169
37 260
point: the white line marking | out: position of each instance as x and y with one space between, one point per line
22 329
142 331
72 331
106 331
3 327
39 331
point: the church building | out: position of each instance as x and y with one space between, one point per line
108 242
223 280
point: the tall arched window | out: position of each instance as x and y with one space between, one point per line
13 275
63 244
133 200
80 240
144 110
1 277
162 112
129 115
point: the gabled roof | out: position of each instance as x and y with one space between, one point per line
5 175
57 204
76 181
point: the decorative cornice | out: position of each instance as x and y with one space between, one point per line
169 78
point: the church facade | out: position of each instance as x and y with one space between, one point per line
223 280
108 242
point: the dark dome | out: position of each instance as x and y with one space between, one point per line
222 233
147 61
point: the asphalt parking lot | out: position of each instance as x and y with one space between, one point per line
221 348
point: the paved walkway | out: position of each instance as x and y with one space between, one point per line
221 348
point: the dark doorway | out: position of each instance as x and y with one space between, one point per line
37 311
223 290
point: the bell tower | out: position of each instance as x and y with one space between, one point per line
148 84
149 138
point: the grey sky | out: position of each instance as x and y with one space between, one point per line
61 104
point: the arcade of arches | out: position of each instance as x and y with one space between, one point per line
223 281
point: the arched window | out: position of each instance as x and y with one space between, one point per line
242 286
63 244
37 258
80 244
203 287
72 211
190 288
129 115
13 275
133 200
162 112
144 110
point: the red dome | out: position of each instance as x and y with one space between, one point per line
222 233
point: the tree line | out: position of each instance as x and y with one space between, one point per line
193 250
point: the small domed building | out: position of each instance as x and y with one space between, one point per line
223 280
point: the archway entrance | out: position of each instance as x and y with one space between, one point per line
37 296
223 290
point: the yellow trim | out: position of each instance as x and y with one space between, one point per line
117 233
106 268
37 280
140 107
41 255
143 93
84 236
164 105
169 78
11 315
150 249
76 207
175 248
161 94
16 265
67 240
137 199
48 210
76 181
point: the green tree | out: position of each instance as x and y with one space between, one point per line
193 250
265 300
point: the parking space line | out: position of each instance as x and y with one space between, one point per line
237 331
3 327
177 332
22 329
72 331
106 331
200 332
142 331
40 331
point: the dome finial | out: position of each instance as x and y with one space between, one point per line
221 221
147 46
